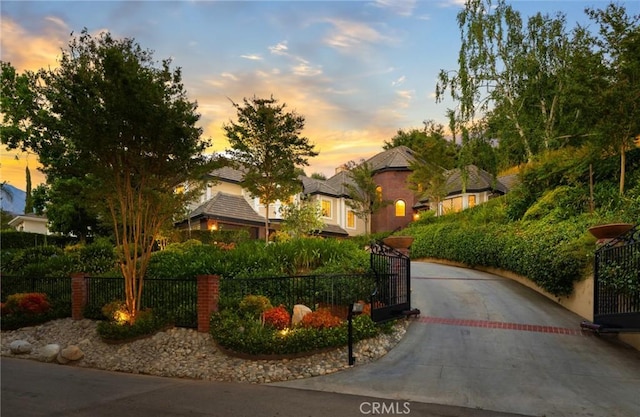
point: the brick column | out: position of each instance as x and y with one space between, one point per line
78 295
208 296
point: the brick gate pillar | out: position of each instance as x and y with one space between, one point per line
78 295
208 296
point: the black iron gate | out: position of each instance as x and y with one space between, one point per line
616 302
392 296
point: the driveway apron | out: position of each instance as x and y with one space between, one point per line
490 343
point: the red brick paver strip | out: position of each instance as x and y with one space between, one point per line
487 324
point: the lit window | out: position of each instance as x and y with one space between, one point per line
400 208
379 193
351 219
326 208
472 200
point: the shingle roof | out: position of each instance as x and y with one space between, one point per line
223 206
334 230
228 173
315 186
338 181
398 158
478 180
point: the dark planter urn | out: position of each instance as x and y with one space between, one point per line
610 231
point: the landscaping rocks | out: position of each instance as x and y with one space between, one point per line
299 311
179 352
20 347
49 352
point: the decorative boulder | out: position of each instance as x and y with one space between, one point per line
299 311
70 353
49 353
20 347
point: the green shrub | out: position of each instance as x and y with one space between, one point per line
233 332
254 305
146 323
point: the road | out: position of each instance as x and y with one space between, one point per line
35 389
486 342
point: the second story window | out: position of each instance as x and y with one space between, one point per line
351 219
326 208
400 208
379 193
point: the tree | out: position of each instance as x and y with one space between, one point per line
266 142
302 218
514 70
111 114
28 205
619 49
363 197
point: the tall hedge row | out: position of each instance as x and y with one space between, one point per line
552 254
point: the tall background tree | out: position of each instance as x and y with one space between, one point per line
28 204
618 46
534 86
112 115
364 198
267 143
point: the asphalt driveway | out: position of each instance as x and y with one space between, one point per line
489 343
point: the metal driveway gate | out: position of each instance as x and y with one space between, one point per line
616 303
392 296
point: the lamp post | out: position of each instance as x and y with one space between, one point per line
354 310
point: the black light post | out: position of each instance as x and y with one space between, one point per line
354 310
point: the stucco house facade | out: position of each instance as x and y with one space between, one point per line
31 223
226 205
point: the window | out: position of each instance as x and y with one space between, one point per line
472 200
379 193
351 219
326 208
400 208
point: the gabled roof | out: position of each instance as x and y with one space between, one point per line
223 206
30 217
394 159
477 180
315 186
338 181
228 174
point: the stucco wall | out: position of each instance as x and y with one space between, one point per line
579 302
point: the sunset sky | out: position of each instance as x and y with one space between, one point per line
356 70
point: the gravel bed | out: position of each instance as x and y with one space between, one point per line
185 353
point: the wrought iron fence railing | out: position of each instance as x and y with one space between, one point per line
617 283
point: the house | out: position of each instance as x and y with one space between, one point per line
226 205
479 187
391 170
31 223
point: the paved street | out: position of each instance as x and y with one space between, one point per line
490 343
35 389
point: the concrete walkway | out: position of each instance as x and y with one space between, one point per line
489 343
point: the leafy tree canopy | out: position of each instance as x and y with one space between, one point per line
267 142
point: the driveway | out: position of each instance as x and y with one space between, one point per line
489 343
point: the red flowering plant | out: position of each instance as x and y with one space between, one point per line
277 317
320 319
25 309
32 303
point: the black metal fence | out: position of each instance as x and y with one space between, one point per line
58 290
617 283
392 296
311 290
176 298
